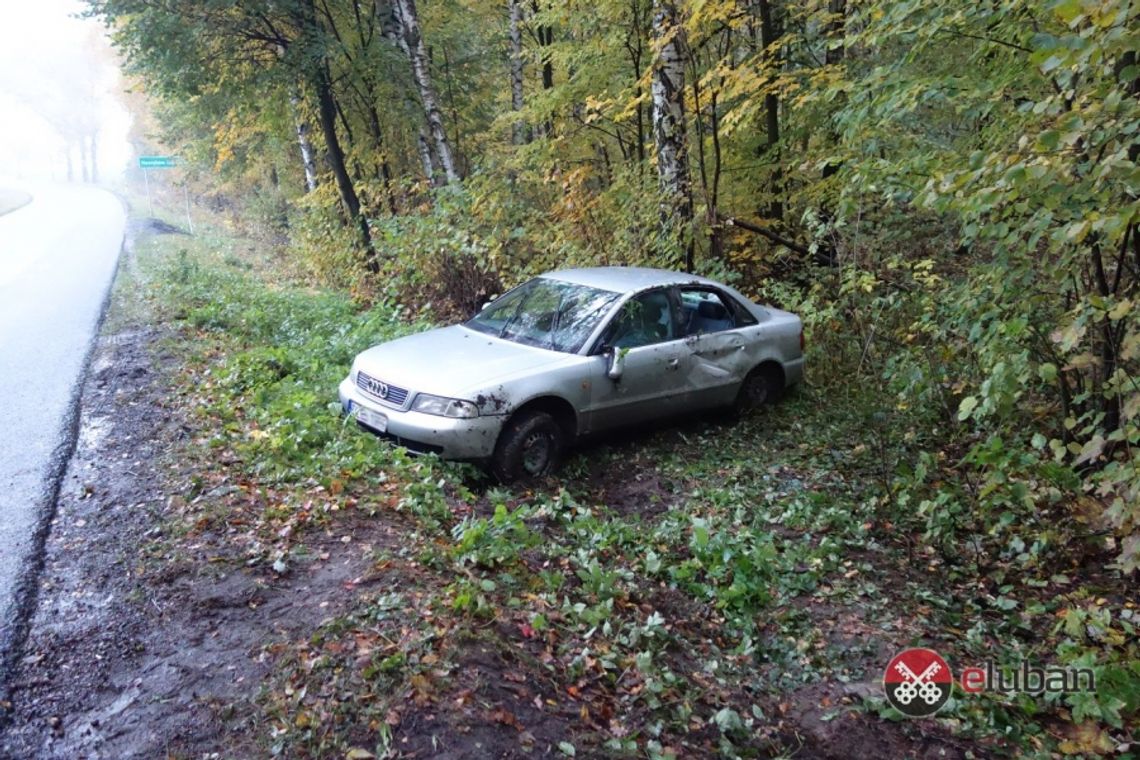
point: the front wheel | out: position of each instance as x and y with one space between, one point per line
529 446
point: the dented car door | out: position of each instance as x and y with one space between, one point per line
718 356
715 366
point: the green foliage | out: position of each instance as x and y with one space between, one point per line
957 182
763 552
286 347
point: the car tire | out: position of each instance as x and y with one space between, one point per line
530 446
762 386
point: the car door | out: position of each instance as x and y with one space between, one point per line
713 328
652 382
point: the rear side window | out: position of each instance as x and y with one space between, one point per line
707 311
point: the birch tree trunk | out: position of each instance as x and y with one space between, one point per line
426 159
518 129
308 157
668 94
393 30
417 55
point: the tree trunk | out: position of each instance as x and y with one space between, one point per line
545 35
326 111
457 144
385 170
70 163
546 39
668 93
317 72
635 48
518 129
83 158
393 30
827 254
308 158
769 35
417 55
426 158
837 9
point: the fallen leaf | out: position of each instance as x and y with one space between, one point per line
505 717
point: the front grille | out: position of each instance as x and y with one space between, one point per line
381 391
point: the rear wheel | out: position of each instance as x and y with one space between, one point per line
763 385
530 446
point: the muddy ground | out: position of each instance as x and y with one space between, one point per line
137 654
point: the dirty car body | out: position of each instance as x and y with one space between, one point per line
568 354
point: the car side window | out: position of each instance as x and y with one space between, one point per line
642 321
704 311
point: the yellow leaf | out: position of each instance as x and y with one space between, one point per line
1087 739
1121 310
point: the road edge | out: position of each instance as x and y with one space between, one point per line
14 635
23 196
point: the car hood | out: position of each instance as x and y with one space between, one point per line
452 361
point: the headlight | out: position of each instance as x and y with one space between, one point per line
444 407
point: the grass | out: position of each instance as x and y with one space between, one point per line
11 199
701 589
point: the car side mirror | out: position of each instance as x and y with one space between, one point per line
615 362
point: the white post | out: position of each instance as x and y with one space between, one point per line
149 202
189 223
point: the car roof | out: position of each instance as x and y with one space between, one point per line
626 279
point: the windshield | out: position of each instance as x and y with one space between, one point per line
546 313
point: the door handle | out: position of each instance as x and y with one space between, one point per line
673 363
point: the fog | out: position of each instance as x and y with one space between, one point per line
61 106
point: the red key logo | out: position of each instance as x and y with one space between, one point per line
917 682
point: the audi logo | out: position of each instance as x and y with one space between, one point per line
378 388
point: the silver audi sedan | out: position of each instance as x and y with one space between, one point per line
568 354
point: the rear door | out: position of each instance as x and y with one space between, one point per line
713 325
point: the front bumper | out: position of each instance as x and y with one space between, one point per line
449 437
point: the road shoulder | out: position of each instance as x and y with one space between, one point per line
132 649
12 199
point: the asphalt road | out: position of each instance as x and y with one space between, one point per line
57 259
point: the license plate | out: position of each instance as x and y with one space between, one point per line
370 418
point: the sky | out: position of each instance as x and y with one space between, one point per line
56 77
